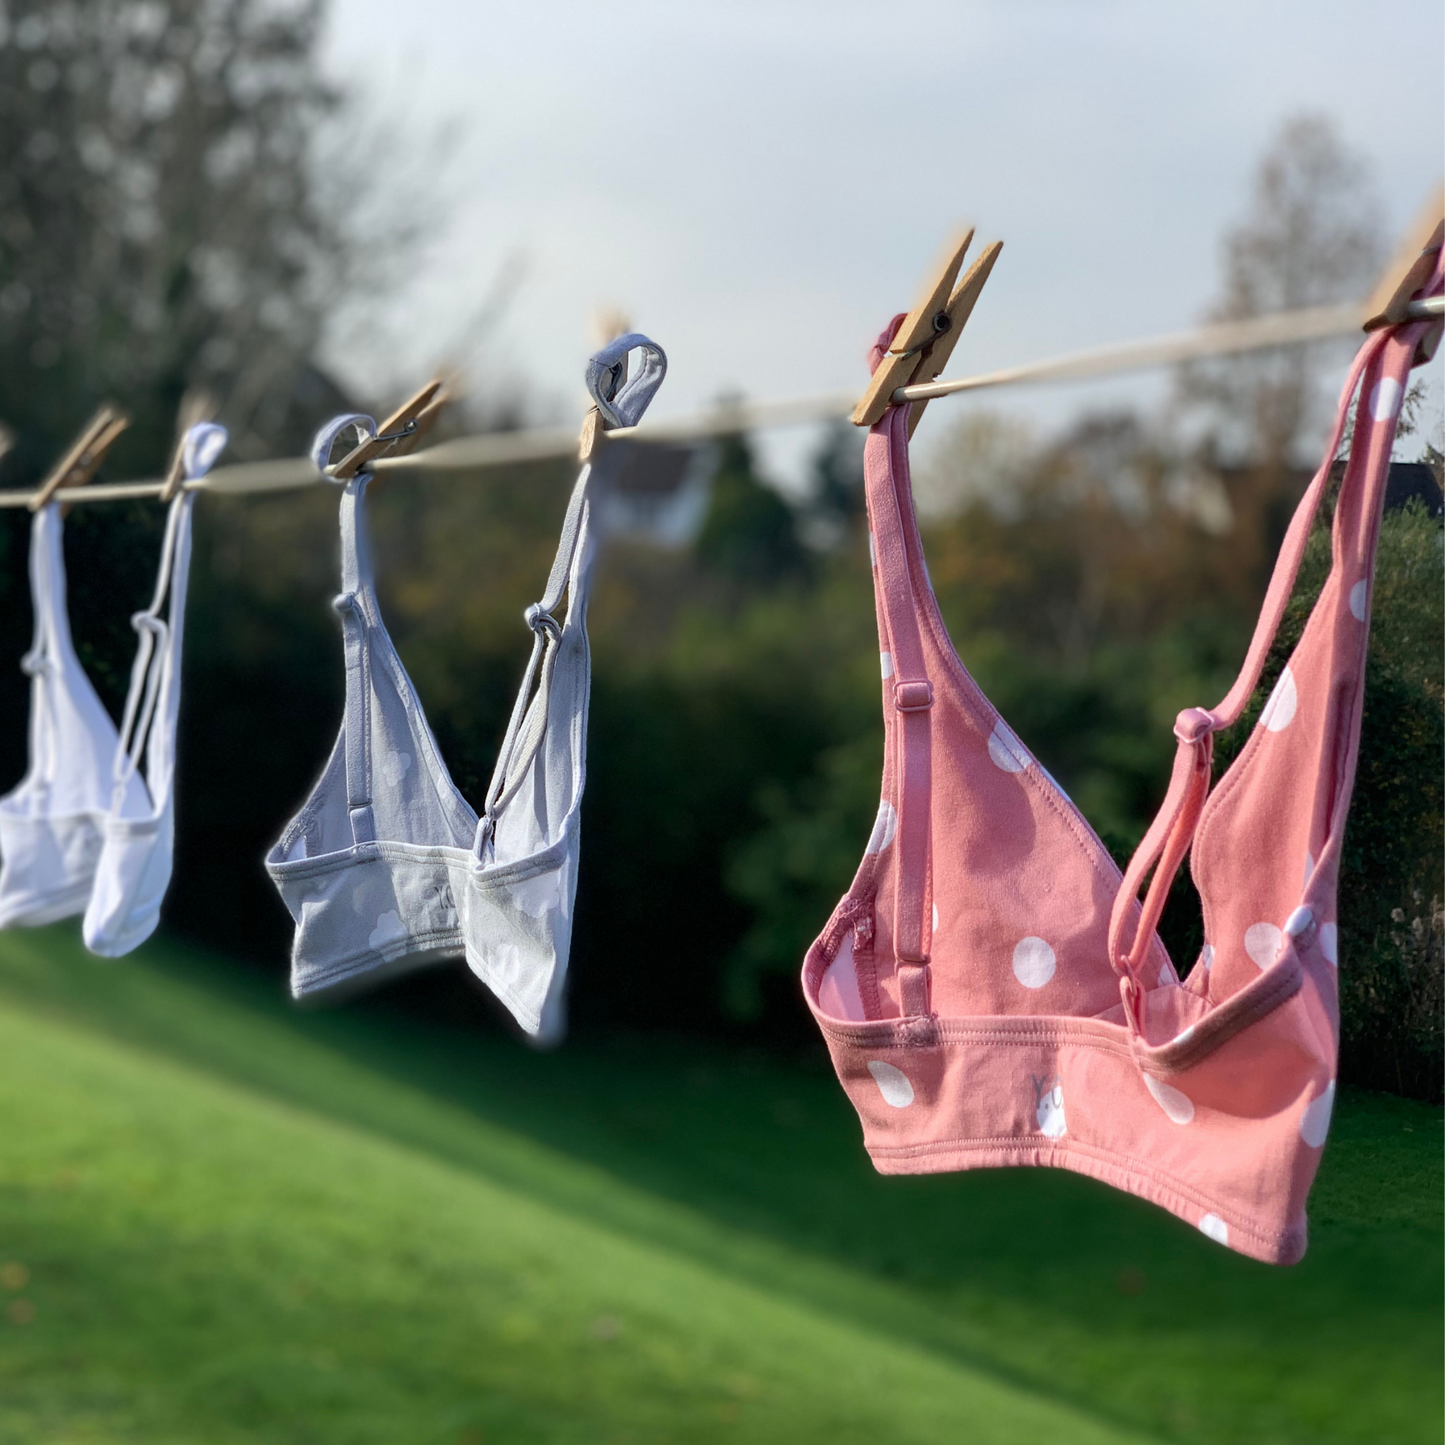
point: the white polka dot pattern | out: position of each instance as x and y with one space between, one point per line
1058 787
1262 942
1359 596
884 827
1006 751
1279 711
1034 962
1314 1124
1215 1228
1330 942
538 895
1177 1105
1385 399
1206 956
395 766
892 1083
1299 922
388 929
885 664
1049 1111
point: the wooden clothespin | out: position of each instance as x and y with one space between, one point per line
196 407
594 431
397 435
1407 272
79 464
607 325
929 332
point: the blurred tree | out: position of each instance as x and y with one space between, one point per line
750 534
163 222
1311 237
1066 545
981 457
166 221
835 505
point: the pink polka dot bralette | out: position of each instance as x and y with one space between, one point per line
990 988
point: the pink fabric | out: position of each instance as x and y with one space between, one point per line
990 989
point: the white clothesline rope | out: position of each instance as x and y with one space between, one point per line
474 453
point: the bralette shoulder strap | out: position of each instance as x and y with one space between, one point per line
155 673
50 639
622 398
1171 834
356 604
51 626
890 511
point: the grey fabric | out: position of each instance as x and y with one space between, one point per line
622 397
386 867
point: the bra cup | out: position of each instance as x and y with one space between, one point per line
413 799
133 872
1267 850
50 824
130 886
518 935
1261 829
383 913
48 867
323 825
134 803
82 742
1021 883
372 901
72 737
135 825
1021 886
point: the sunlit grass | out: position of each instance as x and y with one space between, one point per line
221 1219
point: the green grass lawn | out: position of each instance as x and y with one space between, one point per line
224 1219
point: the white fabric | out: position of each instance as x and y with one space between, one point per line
387 867
51 824
134 869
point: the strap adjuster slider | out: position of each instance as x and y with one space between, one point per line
913 696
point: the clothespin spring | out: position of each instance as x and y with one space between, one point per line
396 436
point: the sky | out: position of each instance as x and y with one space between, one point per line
760 186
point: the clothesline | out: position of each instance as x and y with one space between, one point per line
473 453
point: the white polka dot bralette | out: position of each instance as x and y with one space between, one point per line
992 990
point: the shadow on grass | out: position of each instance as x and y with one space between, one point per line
754 1165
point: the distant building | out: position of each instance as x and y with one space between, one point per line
1409 480
1204 493
659 494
